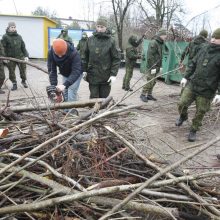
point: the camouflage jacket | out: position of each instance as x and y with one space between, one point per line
132 52
102 59
204 71
14 45
154 54
81 47
193 48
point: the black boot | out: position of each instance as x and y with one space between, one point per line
128 89
150 97
143 98
1 91
192 136
180 120
14 87
24 84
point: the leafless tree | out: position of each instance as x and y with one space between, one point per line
164 11
120 9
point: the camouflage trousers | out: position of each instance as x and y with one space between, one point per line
128 76
202 106
22 69
148 87
2 74
99 90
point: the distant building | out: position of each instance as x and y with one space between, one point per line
83 24
34 31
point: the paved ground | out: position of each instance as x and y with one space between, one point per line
155 124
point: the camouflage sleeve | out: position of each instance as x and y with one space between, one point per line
152 55
131 53
4 44
23 48
140 40
115 56
78 46
191 68
85 60
184 53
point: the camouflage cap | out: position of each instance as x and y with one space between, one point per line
84 34
11 24
102 21
216 34
203 33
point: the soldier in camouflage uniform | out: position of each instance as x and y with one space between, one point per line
14 46
82 43
2 72
131 58
101 62
204 75
82 46
64 35
194 46
154 63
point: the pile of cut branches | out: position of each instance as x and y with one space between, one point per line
55 165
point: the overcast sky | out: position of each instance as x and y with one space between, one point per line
78 9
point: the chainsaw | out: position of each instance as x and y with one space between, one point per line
54 95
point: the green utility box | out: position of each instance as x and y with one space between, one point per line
172 51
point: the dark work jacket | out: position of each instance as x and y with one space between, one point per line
204 71
69 66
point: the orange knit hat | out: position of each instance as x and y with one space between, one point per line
59 46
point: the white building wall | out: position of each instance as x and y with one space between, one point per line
31 30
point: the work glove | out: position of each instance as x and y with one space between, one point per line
153 71
60 88
183 82
216 100
111 79
84 75
26 59
161 70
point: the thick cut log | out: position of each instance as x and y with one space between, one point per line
64 105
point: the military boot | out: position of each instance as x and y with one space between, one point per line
192 136
180 120
143 98
24 84
150 97
128 89
14 87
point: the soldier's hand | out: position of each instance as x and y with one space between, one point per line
26 59
216 100
111 79
153 71
84 75
183 82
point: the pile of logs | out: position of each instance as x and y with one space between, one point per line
57 165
